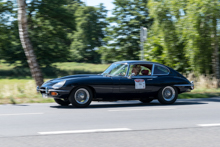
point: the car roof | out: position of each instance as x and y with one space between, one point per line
137 62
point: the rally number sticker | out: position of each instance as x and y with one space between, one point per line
139 84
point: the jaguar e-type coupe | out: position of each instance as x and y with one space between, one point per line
123 80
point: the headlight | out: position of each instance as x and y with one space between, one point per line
58 85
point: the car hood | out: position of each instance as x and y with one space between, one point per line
76 76
53 81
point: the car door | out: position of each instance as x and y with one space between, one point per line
103 86
158 79
128 85
152 85
127 88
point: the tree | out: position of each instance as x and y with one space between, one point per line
165 43
89 33
9 42
201 28
49 22
26 44
186 33
123 35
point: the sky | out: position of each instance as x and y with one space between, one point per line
107 3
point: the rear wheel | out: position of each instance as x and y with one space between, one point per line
62 102
167 95
81 97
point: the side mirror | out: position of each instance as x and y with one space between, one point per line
132 74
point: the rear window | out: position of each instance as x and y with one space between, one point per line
160 70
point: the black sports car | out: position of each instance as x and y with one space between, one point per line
123 80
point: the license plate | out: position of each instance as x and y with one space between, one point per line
44 95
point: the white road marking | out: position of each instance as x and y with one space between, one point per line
208 125
85 131
142 109
20 114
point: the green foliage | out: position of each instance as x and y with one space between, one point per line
89 33
182 34
49 22
165 43
199 30
9 42
122 37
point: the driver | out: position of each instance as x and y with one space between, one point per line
136 69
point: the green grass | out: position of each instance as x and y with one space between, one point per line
14 91
200 93
99 68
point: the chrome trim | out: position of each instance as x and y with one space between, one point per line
150 77
152 71
172 96
183 85
38 88
54 90
46 90
80 97
127 71
192 85
41 89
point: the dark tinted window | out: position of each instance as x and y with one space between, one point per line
160 70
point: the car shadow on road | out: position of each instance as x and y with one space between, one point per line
132 104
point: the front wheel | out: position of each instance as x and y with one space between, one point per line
62 102
167 95
81 97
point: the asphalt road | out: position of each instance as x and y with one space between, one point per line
193 122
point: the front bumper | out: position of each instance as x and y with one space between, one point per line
47 92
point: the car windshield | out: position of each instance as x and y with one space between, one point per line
116 70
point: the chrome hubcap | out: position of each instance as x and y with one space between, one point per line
168 93
82 96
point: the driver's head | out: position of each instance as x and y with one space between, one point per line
136 69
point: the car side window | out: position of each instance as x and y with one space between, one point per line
141 69
160 70
146 70
119 70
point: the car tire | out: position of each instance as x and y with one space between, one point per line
167 95
62 102
148 100
81 97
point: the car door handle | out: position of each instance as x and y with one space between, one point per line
149 79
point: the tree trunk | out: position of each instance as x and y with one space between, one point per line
26 43
215 56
